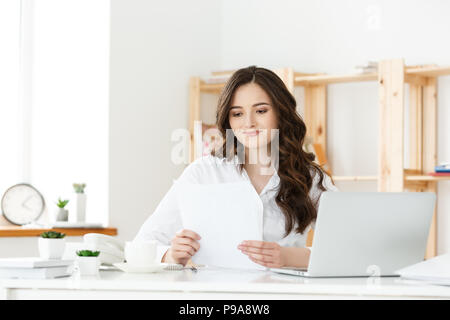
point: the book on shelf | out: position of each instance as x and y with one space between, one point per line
33 262
442 168
34 273
439 174
368 64
369 67
365 70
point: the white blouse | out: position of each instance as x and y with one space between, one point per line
163 224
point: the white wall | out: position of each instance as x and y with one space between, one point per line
332 37
155 47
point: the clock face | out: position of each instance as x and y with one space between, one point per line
22 204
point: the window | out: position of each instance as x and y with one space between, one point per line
10 154
63 105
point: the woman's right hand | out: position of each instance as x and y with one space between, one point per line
183 246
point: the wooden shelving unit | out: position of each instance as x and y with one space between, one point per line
392 76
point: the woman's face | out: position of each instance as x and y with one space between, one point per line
252 116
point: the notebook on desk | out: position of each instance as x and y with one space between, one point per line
33 262
435 270
361 234
34 273
34 268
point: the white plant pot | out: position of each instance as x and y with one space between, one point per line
88 265
81 207
51 248
62 214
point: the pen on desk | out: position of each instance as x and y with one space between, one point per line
191 265
172 267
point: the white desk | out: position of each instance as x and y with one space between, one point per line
215 283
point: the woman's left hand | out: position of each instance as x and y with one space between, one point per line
267 254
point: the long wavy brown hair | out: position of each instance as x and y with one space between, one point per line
296 168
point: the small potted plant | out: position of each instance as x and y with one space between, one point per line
88 262
51 245
80 201
62 214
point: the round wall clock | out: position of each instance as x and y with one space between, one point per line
22 204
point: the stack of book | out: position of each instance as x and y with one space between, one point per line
442 170
433 271
34 268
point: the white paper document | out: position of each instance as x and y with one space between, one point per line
223 215
435 270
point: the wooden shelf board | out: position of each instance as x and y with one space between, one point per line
17 231
355 178
433 71
407 178
425 178
302 79
330 79
303 74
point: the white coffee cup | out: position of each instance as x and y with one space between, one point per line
140 253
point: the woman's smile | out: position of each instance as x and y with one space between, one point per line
252 133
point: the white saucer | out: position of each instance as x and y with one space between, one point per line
126 267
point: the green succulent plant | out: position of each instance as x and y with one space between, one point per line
52 235
87 253
62 203
79 187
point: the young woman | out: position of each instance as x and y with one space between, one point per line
263 138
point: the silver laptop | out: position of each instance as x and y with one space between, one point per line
361 234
